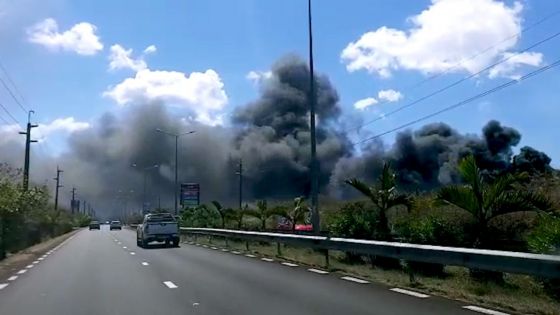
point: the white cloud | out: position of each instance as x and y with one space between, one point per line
389 95
448 32
258 76
81 38
365 103
120 58
513 62
200 92
67 125
9 133
150 49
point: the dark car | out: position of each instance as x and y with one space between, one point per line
115 225
94 225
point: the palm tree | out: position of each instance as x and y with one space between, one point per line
486 200
262 213
294 215
237 215
384 196
222 211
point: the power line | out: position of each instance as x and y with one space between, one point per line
9 114
14 86
13 96
447 87
463 102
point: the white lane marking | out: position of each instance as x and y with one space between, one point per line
170 284
354 279
44 256
132 253
12 278
22 271
3 285
124 247
289 264
411 293
250 256
119 243
29 266
267 259
319 271
36 262
484 310
214 248
225 250
145 263
235 252
205 246
40 258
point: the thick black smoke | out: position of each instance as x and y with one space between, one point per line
275 134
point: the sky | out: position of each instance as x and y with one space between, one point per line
73 61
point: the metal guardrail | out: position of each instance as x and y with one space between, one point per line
512 262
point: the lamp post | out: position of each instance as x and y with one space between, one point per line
145 169
176 187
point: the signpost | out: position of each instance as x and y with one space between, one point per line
190 194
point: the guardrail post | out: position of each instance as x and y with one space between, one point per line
278 249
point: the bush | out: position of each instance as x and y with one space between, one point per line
354 220
545 239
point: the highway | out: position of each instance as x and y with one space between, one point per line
104 272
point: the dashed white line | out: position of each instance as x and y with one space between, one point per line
250 256
483 310
411 293
124 247
319 271
267 259
132 253
3 285
36 262
235 252
29 266
12 278
289 264
225 250
145 263
354 279
170 284
22 271
205 246
214 248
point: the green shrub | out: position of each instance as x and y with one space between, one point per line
545 239
354 220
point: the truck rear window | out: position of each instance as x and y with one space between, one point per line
161 218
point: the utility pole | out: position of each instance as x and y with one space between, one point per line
57 178
73 203
240 173
315 220
28 142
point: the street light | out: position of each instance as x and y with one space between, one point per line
145 169
176 135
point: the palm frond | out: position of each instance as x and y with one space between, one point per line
520 200
472 175
459 196
400 200
387 177
361 187
217 205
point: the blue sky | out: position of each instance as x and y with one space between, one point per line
205 49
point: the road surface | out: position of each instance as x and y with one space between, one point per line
104 272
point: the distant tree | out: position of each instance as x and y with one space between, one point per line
262 213
383 194
295 214
223 212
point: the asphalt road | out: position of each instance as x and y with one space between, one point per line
103 272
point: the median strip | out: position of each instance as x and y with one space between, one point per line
170 284
411 293
321 272
354 280
484 310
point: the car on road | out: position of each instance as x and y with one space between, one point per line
158 227
115 225
94 225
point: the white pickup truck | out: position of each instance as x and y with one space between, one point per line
158 227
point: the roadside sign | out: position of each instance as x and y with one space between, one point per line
190 194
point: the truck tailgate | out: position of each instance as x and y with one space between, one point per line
162 228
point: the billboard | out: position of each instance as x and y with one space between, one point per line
190 194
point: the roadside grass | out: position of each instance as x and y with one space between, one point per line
519 294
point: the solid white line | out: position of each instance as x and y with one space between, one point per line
289 264
267 259
36 262
484 310
29 266
22 271
3 285
145 263
236 253
408 292
132 253
12 278
170 284
250 256
354 280
322 272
